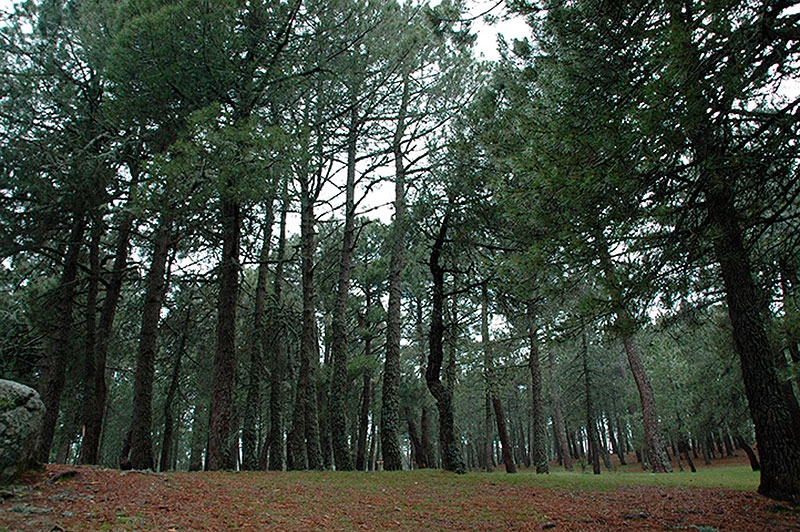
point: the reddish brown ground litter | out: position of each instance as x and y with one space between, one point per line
64 498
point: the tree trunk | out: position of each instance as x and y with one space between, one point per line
198 436
363 421
222 416
449 442
754 463
390 407
591 425
141 424
278 358
90 376
166 461
539 436
652 432
339 337
252 407
778 447
502 434
51 384
306 451
96 396
558 416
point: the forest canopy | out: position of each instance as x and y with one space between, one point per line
307 234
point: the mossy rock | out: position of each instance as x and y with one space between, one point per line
21 418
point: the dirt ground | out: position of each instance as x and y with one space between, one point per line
67 498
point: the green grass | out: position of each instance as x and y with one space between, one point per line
732 477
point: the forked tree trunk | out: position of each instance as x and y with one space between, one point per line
95 406
304 446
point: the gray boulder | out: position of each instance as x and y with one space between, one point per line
21 418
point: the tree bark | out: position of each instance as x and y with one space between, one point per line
502 434
390 407
449 442
558 416
90 375
591 424
339 336
252 407
778 447
306 451
222 416
652 432
141 423
167 458
539 436
53 371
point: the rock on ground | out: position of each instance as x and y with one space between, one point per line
21 417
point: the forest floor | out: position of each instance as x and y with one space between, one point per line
67 498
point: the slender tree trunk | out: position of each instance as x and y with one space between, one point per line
222 416
90 336
166 460
278 351
488 430
95 406
591 425
305 438
363 421
539 440
502 434
558 416
252 407
652 432
448 441
198 436
141 423
390 408
51 384
339 336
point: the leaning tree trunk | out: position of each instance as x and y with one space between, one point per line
55 363
491 386
222 418
502 433
652 432
141 423
778 448
452 459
